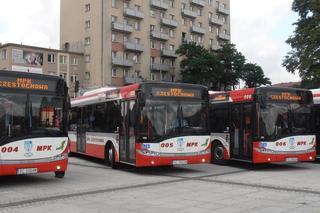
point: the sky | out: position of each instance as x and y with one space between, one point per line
259 29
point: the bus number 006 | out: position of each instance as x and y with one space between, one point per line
9 149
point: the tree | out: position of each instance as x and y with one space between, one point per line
197 64
305 43
231 64
253 76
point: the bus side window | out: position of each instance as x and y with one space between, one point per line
73 119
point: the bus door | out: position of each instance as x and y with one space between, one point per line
81 131
317 126
127 133
241 131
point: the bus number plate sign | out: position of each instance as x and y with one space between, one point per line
179 162
27 171
293 160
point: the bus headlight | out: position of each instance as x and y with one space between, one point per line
60 157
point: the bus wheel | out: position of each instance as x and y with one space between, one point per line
110 157
218 154
59 174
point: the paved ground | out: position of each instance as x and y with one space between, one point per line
89 186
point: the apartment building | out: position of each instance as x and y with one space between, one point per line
127 41
24 58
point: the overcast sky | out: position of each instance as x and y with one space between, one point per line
259 29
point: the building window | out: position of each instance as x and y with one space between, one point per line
51 58
114 72
183 21
114 3
210 15
171 47
137 7
171 3
63 59
113 19
152 13
113 37
152 59
183 5
163 76
87 41
153 77
113 54
87 24
210 2
210 28
87 8
137 40
137 25
75 61
152 27
137 73
87 58
191 23
87 75
73 78
125 73
171 33
161 46
4 54
135 58
63 75
152 44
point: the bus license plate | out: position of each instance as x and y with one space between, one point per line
292 160
179 162
27 171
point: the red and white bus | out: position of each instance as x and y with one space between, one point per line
146 124
33 124
262 125
316 108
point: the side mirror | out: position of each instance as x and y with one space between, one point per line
141 99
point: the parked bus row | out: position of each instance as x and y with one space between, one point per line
150 124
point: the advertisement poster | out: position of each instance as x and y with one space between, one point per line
27 57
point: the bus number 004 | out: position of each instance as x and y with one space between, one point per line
9 149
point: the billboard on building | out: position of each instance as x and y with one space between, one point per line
27 57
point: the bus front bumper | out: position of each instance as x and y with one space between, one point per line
31 168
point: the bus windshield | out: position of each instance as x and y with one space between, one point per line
280 120
164 119
24 115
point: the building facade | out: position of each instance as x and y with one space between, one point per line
126 41
69 65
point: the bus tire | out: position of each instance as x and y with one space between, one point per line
110 157
59 174
217 153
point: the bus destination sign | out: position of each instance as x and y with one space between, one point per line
285 96
26 83
175 92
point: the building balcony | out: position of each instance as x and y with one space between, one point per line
122 62
216 21
189 13
159 4
196 29
133 13
215 46
131 80
200 3
161 67
169 53
159 35
224 36
223 10
133 47
169 22
122 27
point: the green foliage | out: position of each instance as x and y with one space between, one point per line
221 69
305 43
253 76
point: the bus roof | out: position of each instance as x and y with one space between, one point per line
246 94
115 93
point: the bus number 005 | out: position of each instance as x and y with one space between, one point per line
9 149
